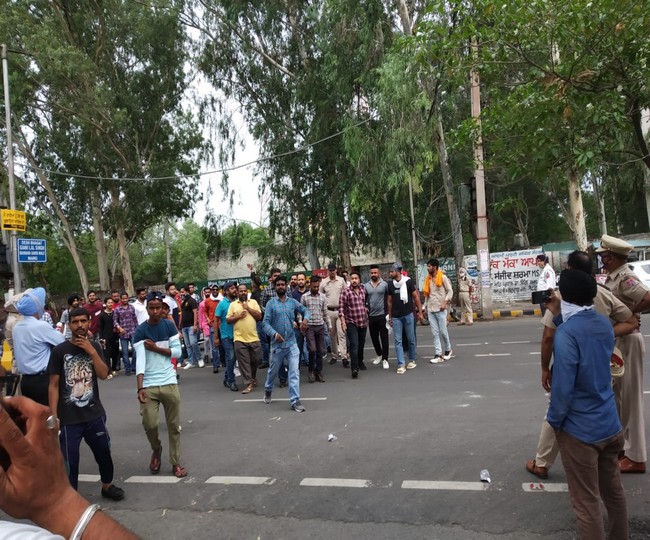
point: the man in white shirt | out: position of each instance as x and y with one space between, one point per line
140 305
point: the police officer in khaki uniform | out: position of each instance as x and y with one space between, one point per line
606 304
628 389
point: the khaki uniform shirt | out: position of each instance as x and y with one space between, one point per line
332 289
626 286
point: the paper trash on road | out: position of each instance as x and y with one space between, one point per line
331 437
485 476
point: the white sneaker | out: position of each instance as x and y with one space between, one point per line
411 365
376 361
437 359
201 363
385 364
401 370
188 366
448 354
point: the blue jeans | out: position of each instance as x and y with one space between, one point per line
191 344
279 356
229 348
438 325
124 343
264 341
406 324
215 351
302 346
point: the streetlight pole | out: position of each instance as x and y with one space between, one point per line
10 169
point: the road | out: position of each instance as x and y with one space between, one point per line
406 462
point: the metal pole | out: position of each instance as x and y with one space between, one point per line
10 169
415 244
482 243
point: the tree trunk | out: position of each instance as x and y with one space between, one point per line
168 253
454 216
122 245
346 260
63 224
645 130
577 211
100 242
602 219
312 255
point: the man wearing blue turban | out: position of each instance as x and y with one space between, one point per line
33 341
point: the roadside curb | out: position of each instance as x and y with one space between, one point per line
498 313
502 313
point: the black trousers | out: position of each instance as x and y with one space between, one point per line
316 347
112 353
379 335
36 387
357 337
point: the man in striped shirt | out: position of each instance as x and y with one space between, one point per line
279 315
353 315
316 303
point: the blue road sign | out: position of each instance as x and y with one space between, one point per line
32 250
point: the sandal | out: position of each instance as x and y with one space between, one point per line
178 471
154 464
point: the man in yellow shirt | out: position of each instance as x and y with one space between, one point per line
243 314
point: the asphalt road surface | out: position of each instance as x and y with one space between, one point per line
406 462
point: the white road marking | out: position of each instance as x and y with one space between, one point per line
470 344
335 482
494 354
541 486
242 480
646 392
536 352
152 480
259 400
89 478
514 342
449 486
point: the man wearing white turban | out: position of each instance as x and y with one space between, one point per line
33 340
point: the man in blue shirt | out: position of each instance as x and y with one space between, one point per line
279 317
224 335
583 410
33 341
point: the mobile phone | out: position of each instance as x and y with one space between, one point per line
19 420
540 297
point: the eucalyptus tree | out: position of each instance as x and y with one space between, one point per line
101 117
577 82
301 73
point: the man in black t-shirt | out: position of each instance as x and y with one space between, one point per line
402 294
74 367
190 329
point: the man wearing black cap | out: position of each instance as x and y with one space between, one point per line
223 333
583 410
332 287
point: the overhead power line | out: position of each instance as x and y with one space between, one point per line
197 175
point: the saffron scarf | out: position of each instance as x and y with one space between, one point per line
437 282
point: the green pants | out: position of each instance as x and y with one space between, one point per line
170 398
